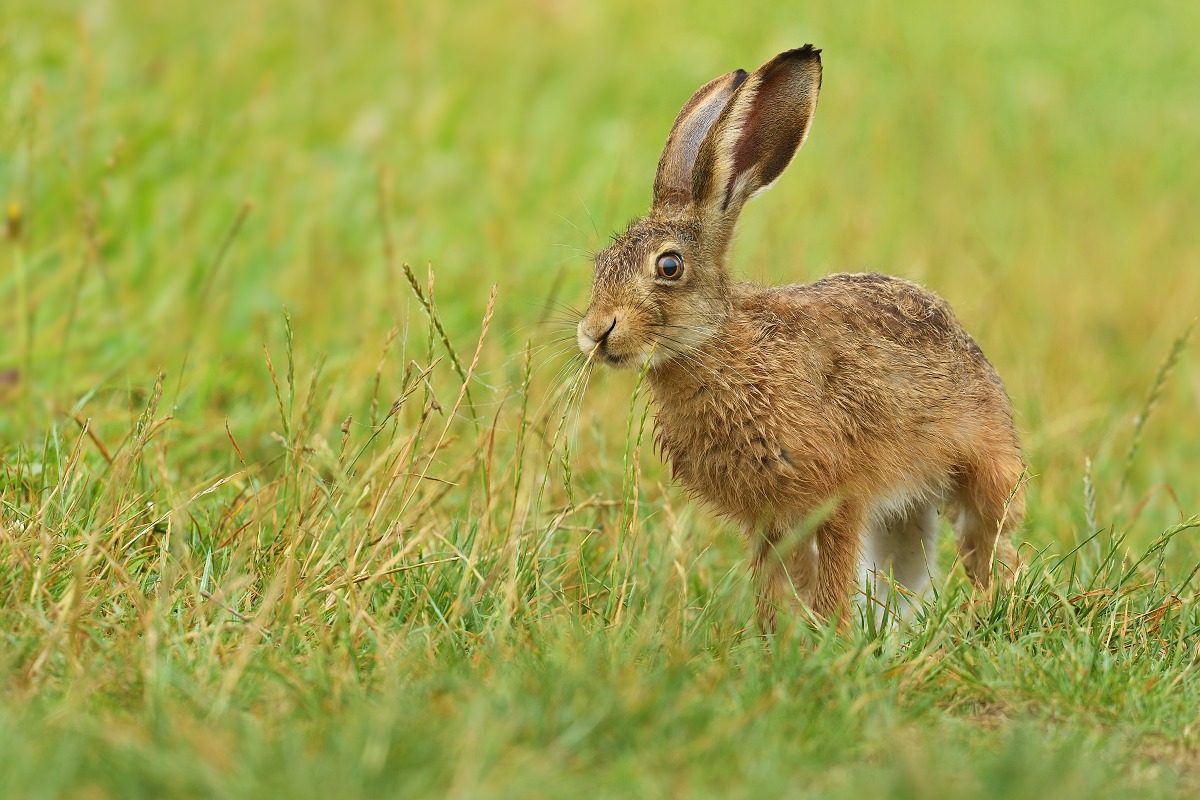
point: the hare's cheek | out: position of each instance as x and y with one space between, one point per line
657 357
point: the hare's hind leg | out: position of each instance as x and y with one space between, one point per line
900 546
991 506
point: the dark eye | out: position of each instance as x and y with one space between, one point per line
669 266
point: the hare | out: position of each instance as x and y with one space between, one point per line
830 421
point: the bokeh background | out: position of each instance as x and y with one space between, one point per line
1033 163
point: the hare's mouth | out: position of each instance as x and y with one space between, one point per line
634 360
602 354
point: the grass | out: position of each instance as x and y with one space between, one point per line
292 501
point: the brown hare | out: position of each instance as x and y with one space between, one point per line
854 407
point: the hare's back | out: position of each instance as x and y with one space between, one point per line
857 336
872 311
893 309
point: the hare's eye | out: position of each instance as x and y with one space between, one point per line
669 266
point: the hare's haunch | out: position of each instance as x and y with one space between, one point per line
857 403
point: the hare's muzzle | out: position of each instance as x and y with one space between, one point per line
600 337
594 332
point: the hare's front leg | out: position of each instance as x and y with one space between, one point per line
838 540
784 565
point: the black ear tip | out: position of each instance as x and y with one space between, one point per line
803 53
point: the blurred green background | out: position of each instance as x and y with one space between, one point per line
1032 162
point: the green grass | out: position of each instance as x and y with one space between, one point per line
256 538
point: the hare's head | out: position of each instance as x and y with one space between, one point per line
662 288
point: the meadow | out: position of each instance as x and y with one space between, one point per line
300 492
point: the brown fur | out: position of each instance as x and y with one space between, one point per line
840 404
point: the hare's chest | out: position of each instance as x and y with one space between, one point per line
741 468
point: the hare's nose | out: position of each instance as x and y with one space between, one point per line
604 336
597 332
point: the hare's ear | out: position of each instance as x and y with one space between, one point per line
673 182
760 129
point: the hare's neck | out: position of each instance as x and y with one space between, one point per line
707 379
